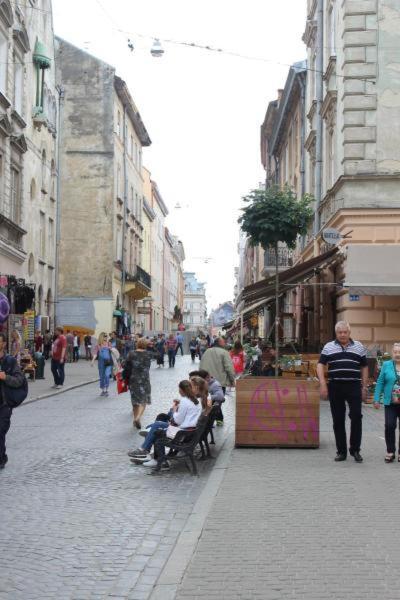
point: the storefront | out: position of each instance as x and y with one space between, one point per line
18 309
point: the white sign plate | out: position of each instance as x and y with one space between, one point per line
331 236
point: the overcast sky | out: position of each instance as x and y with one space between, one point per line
203 110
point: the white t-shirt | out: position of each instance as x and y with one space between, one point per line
187 414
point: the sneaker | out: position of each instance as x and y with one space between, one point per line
139 460
166 466
105 393
138 453
219 423
157 470
144 432
150 463
53 387
102 393
59 387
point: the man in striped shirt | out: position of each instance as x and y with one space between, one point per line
347 381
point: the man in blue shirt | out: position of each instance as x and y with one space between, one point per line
179 340
347 381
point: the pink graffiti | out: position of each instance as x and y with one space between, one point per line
267 409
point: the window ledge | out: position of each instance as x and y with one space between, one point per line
43 191
51 267
4 101
41 261
120 200
52 198
18 119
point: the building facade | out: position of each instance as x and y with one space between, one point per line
353 165
220 316
194 304
101 280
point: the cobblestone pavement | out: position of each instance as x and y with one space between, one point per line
78 521
75 374
292 524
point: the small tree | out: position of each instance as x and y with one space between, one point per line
274 216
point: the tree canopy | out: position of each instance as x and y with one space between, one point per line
275 215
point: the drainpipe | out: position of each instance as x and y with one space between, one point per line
319 128
123 277
61 96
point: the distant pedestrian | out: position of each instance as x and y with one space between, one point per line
203 345
102 353
47 341
347 381
160 349
77 345
10 376
38 341
171 344
58 355
238 358
193 348
179 343
137 373
87 340
70 347
388 384
217 362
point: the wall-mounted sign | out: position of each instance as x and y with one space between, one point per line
354 298
144 310
331 236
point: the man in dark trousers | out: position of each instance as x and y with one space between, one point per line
347 381
14 378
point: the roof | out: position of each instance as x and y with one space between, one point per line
125 96
160 201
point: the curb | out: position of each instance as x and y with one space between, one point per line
58 392
174 569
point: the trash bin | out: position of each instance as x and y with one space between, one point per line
40 363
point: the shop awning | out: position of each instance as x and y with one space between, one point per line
373 270
117 313
263 291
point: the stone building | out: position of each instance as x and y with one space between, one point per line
101 279
359 157
194 304
220 316
28 152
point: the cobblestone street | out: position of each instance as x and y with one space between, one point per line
82 522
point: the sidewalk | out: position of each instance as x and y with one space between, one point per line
76 374
293 524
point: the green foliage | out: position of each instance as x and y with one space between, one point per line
275 215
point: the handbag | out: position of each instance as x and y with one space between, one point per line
122 384
171 431
396 387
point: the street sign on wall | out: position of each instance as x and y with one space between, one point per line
354 297
331 236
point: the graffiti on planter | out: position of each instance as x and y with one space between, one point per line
268 411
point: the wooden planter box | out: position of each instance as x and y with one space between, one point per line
277 412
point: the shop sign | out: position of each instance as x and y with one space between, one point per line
354 298
144 310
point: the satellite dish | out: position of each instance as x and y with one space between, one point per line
331 236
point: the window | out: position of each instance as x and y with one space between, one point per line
15 195
3 62
51 239
33 190
131 148
119 124
18 84
42 234
331 33
119 242
44 174
119 181
132 201
53 180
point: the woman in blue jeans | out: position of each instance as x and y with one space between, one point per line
388 384
105 362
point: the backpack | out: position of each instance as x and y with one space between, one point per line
13 397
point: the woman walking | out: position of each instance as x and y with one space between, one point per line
105 362
171 345
137 372
238 358
388 384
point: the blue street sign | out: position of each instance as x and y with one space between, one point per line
354 297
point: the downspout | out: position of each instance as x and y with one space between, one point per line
125 206
300 301
319 125
61 96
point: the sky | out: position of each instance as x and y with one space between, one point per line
202 109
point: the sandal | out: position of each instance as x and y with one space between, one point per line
390 457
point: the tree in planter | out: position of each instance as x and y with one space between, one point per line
274 216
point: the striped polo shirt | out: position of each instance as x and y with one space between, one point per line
344 362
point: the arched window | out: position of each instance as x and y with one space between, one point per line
44 172
33 190
40 300
49 303
31 265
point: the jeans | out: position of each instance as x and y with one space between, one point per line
150 437
339 393
5 422
105 374
179 346
57 368
76 353
193 355
171 358
392 413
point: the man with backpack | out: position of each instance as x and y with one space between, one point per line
13 391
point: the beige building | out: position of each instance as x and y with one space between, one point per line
194 304
101 279
28 153
359 153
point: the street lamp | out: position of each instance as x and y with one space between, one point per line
157 49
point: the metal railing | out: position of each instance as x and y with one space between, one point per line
285 258
141 276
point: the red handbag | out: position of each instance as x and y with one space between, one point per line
122 384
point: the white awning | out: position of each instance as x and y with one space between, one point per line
373 270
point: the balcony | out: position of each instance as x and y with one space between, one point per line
329 207
138 285
285 260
